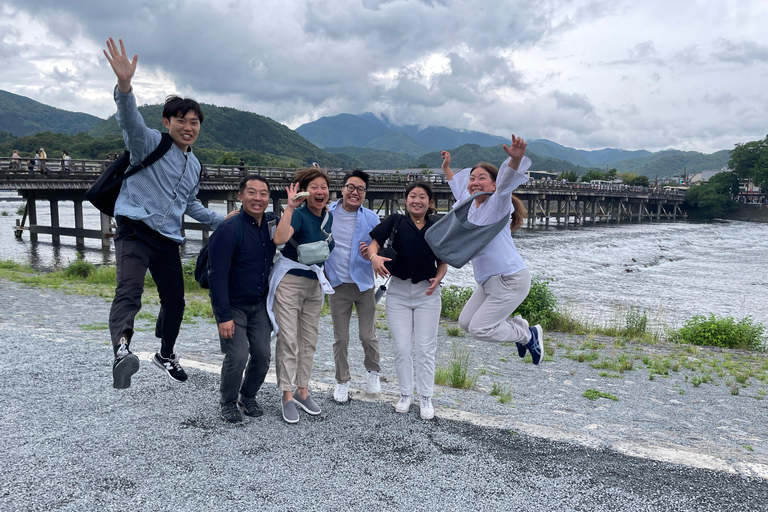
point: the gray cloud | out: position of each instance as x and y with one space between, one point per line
745 52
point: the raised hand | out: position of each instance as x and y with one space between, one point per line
447 165
516 149
124 69
292 190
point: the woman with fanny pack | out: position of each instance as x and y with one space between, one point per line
413 298
503 279
297 287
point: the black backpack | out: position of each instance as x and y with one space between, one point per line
203 266
103 194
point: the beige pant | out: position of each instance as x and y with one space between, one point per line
486 315
298 302
341 302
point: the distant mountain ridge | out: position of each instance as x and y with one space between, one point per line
369 131
24 116
365 141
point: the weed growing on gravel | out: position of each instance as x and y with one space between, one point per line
620 363
594 394
499 392
456 374
454 330
611 375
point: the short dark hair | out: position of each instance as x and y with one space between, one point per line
427 188
357 173
176 106
258 177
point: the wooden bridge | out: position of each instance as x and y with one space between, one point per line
546 201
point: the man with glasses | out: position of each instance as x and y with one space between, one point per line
352 279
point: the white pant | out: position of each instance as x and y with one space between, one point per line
413 319
486 314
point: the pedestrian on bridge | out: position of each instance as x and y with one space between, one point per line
503 280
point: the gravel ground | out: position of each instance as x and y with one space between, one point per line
71 442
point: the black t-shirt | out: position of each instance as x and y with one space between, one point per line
415 259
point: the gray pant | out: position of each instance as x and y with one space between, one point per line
486 315
252 334
340 303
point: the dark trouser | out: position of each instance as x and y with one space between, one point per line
138 248
253 331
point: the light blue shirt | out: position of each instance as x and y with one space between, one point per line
164 192
360 269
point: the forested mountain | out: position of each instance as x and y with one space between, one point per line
673 163
365 158
469 154
594 158
24 116
4 136
224 129
369 131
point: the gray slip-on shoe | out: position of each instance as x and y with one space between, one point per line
309 406
290 413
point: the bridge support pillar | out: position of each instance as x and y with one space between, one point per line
106 228
79 240
54 205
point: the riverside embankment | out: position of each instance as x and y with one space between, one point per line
71 442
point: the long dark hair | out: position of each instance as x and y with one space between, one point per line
428 189
519 213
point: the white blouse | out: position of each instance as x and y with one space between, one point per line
500 256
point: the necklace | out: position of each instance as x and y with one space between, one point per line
418 221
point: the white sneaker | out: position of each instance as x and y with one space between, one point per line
427 411
341 393
374 386
404 403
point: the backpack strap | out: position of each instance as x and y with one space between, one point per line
165 145
392 233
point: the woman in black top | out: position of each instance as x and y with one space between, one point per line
413 299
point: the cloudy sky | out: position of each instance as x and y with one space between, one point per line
655 74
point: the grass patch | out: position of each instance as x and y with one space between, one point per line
594 394
454 330
456 374
95 327
501 393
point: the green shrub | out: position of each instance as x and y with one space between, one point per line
539 306
720 332
637 321
454 298
79 268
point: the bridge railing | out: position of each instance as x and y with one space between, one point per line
89 170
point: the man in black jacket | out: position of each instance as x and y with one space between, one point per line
240 254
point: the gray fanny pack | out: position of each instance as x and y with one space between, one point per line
314 252
455 240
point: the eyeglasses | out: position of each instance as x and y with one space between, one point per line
351 188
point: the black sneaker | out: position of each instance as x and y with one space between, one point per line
250 407
126 364
521 350
171 366
230 413
536 345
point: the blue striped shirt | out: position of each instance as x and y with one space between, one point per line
164 192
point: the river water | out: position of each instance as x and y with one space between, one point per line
672 271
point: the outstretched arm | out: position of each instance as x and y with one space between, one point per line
447 165
124 69
516 151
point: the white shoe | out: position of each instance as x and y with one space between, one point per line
341 393
427 411
374 386
404 403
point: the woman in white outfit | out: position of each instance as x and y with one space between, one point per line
503 279
413 298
